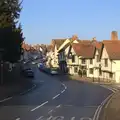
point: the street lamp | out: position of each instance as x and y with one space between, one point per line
1 63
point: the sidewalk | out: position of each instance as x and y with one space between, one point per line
112 111
91 80
14 83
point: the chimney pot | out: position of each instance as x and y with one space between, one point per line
94 39
74 37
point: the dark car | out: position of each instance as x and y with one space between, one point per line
28 72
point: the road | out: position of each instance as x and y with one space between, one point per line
54 98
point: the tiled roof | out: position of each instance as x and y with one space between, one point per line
44 48
57 42
26 46
84 50
49 48
85 41
98 45
112 48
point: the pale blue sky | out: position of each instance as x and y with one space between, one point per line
44 20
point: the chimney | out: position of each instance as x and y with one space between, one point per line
94 39
74 37
114 35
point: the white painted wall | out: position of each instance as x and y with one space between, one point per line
113 66
104 56
116 69
94 65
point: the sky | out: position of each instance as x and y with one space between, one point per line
44 20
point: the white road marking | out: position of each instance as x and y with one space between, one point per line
85 118
64 86
39 106
28 90
63 91
73 118
5 99
40 118
94 117
50 111
102 104
109 88
18 119
56 96
108 101
50 118
58 106
98 110
58 118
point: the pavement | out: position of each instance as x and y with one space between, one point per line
55 98
91 80
14 83
111 110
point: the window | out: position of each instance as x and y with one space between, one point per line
83 61
110 75
91 61
75 69
73 58
100 72
70 55
106 62
83 67
97 58
91 70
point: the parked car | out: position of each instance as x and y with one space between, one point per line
41 66
33 63
28 72
54 71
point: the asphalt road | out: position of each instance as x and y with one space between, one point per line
55 98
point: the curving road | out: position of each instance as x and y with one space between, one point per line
55 98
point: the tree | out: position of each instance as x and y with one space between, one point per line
11 37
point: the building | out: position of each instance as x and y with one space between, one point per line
110 60
26 51
81 58
56 43
63 52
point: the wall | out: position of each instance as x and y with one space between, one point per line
105 55
76 59
116 69
55 58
